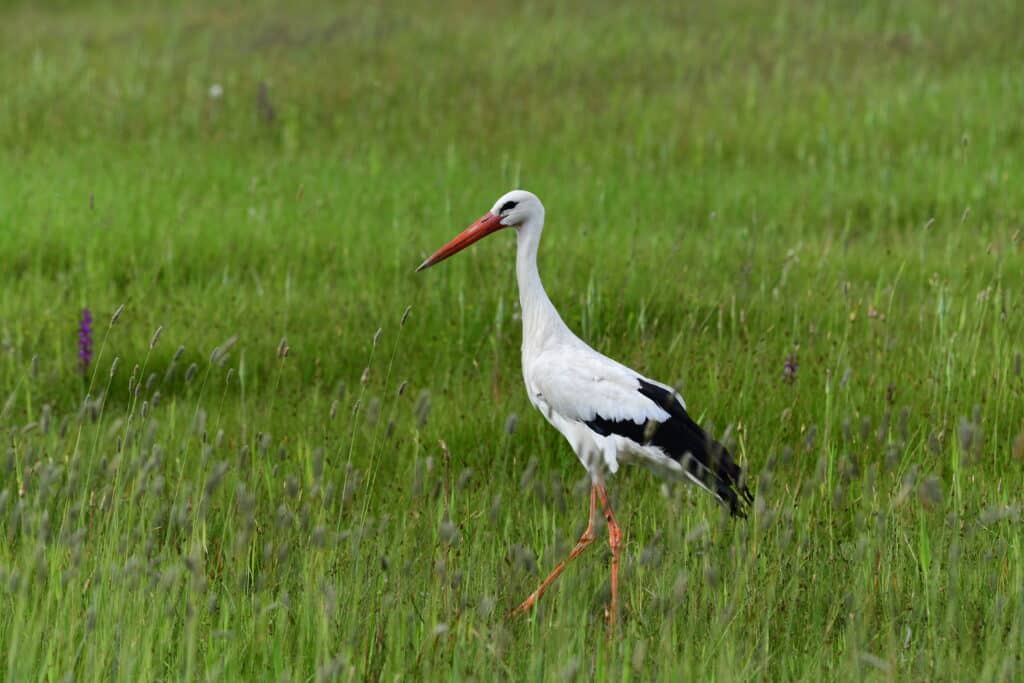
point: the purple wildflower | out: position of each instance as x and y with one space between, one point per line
789 369
85 341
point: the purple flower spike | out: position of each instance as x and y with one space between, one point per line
789 370
85 341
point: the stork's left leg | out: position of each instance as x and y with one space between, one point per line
586 539
614 540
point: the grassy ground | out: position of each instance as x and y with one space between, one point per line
726 188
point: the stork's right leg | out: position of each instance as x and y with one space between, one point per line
586 539
615 542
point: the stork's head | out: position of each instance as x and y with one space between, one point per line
512 210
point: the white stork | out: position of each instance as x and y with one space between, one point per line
610 415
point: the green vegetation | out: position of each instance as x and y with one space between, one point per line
727 186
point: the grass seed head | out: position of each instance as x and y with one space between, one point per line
263 442
220 353
875 662
651 554
930 492
283 349
639 656
907 487
812 433
865 428
332 671
405 315
117 315
485 608
216 477
893 453
1018 447
967 434
113 366
524 558
526 479
318 462
680 586
697 533
997 513
422 408
156 336
191 373
571 670
192 564
45 416
448 532
883 426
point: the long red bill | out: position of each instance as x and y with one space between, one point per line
483 227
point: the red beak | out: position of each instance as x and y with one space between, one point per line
483 227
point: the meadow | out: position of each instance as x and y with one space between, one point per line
807 216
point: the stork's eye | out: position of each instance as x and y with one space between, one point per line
507 206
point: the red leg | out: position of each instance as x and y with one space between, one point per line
586 539
614 540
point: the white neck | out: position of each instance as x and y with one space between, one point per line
540 319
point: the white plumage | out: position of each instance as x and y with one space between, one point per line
572 384
610 414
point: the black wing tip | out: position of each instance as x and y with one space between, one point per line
740 504
736 497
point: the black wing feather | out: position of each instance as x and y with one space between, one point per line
684 441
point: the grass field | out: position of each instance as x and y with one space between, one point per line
247 482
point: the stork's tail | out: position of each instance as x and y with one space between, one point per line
728 480
705 461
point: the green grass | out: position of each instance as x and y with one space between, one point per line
725 187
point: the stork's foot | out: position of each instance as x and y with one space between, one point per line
525 606
611 616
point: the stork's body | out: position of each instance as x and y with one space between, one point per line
610 414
